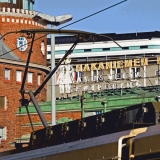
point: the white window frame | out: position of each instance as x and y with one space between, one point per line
22 43
114 86
19 76
39 79
97 75
135 74
30 77
7 73
3 133
117 75
79 76
94 76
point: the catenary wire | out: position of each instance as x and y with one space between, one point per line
93 14
65 26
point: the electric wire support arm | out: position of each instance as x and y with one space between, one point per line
84 36
32 96
25 102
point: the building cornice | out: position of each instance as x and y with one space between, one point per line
17 12
21 63
20 14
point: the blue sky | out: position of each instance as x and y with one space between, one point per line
130 16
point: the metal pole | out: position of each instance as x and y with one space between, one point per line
53 96
41 116
158 74
29 117
54 70
27 66
82 103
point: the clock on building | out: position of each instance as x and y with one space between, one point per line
22 43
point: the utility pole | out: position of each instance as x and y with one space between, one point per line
54 21
82 105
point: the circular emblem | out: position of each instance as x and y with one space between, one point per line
22 43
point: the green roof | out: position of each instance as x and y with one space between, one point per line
112 99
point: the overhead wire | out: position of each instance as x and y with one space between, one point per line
61 27
93 14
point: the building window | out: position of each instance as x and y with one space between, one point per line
7 74
106 49
12 1
87 50
28 4
19 76
3 133
22 43
3 0
135 72
116 73
39 79
100 76
157 73
125 48
143 47
79 76
94 75
2 102
30 77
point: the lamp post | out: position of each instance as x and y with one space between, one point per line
58 20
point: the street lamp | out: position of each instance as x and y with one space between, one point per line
58 20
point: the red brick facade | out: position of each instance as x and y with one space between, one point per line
10 40
10 88
16 124
23 119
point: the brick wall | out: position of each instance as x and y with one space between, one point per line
15 124
21 23
24 120
10 88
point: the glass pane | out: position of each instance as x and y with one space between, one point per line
18 76
7 74
29 77
3 132
39 79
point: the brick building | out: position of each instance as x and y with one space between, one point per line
141 48
17 15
